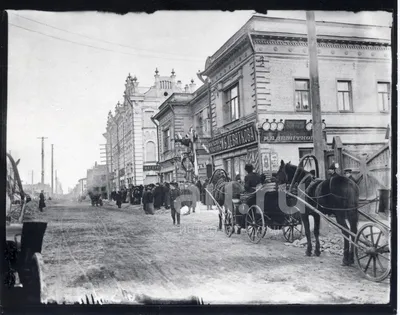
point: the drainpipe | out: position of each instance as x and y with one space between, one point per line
157 123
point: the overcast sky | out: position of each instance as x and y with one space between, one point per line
67 70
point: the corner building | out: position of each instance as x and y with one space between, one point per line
262 74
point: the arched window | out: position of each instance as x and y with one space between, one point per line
150 151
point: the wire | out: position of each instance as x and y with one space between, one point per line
101 40
95 47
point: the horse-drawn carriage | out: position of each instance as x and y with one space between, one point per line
22 260
304 194
257 218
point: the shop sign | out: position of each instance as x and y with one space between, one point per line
243 135
151 167
294 132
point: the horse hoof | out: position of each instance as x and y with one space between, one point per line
308 254
317 253
345 263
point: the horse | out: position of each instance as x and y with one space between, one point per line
336 196
221 187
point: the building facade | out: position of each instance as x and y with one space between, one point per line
131 135
177 114
96 180
260 78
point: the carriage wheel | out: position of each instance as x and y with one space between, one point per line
255 224
293 231
228 223
372 252
33 284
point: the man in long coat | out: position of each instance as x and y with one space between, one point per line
41 201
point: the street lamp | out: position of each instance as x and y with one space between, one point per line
309 125
266 126
281 125
274 125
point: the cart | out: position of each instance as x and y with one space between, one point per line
258 218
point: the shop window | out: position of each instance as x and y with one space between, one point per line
344 96
167 140
384 96
302 94
232 102
234 166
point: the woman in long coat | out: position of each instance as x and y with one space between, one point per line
148 199
41 201
167 196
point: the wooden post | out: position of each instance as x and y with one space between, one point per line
52 169
318 137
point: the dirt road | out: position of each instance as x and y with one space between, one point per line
120 254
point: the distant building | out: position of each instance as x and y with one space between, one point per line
35 189
131 135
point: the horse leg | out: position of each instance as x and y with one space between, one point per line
220 220
306 222
353 219
317 220
341 220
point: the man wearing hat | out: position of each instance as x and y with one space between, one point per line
332 170
347 173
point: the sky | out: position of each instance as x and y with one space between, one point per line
68 70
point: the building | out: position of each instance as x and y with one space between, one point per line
35 189
260 91
131 134
82 186
176 115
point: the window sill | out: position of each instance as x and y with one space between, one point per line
346 111
303 110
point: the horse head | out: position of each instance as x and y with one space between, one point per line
290 174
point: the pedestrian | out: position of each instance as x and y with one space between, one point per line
332 170
148 199
200 188
158 196
118 199
347 173
167 195
174 194
209 201
42 204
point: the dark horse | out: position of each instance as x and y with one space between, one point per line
336 196
224 191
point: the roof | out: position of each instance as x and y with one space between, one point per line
174 99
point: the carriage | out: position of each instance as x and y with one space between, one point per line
23 282
258 218
371 242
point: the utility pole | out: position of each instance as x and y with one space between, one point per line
42 138
52 169
32 183
318 137
56 184
107 162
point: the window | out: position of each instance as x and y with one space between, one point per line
344 96
383 96
232 102
302 95
167 140
150 151
234 166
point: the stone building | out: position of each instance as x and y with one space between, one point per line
176 115
131 135
260 78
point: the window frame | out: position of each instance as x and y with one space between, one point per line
228 100
146 152
295 92
350 82
166 144
379 93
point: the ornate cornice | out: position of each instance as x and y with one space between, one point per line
321 42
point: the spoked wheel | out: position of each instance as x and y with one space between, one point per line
228 223
33 284
293 231
255 224
372 252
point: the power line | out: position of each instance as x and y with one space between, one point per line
95 47
101 40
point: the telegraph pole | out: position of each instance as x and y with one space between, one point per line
32 183
318 137
52 169
42 180
56 184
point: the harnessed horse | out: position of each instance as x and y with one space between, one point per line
336 196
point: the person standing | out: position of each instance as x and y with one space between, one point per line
118 199
209 201
174 194
332 170
42 204
167 195
148 199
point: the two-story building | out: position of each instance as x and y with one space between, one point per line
260 91
132 136
176 115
